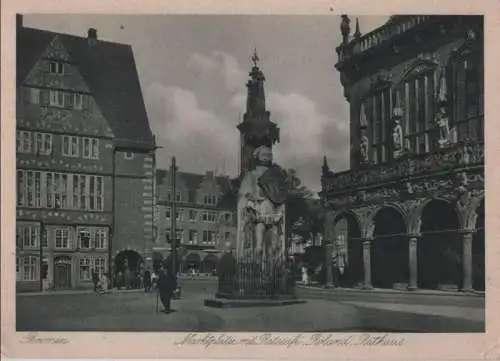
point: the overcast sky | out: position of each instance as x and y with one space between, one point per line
193 70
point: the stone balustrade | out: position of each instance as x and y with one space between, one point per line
458 156
379 35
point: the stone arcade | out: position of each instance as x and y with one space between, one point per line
410 212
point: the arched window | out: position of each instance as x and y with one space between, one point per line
417 94
377 107
465 73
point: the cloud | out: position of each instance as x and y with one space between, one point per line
219 64
199 139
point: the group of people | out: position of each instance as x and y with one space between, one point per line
164 281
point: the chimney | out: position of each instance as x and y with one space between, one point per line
19 21
92 37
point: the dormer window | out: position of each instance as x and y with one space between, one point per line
129 155
56 67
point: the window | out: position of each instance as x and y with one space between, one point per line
169 196
29 268
209 217
179 235
56 67
57 187
193 237
78 101
179 214
418 119
56 98
192 215
27 236
71 146
178 196
100 265
84 238
83 192
95 148
49 187
23 141
86 148
38 191
92 192
168 232
168 212
31 95
21 187
43 143
210 200
209 237
101 239
129 155
63 239
99 193
91 264
90 148
30 189
85 269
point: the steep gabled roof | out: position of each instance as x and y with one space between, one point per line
110 72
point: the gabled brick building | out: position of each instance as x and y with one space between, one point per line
85 159
205 218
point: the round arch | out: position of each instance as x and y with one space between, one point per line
348 255
209 264
389 250
193 262
478 251
128 259
440 247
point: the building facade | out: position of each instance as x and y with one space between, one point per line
409 213
84 158
205 219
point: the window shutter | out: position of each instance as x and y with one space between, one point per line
44 97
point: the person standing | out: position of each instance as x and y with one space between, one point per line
167 284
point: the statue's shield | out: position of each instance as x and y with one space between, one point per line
273 183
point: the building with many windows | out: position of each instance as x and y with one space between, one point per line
205 218
84 157
409 213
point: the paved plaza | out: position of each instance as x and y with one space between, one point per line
325 311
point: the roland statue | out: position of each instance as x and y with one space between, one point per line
261 212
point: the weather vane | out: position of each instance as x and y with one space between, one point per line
255 58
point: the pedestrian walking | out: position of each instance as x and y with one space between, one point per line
95 279
167 284
147 281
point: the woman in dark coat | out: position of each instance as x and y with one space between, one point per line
167 284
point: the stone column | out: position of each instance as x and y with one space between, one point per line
467 260
329 264
413 265
367 263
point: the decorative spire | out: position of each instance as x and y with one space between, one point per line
255 58
325 169
357 33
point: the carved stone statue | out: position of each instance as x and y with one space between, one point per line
397 132
261 212
363 149
442 123
345 28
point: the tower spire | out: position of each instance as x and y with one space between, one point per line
357 33
256 129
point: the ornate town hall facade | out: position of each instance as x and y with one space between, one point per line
410 211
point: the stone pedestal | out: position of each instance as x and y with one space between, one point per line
367 264
467 261
413 262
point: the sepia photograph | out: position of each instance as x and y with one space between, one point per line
249 173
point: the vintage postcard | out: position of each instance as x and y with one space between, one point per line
250 179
